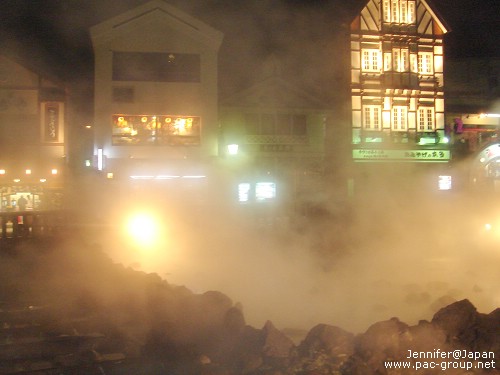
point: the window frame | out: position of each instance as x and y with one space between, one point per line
399 11
425 63
399 118
372 117
426 119
370 60
155 130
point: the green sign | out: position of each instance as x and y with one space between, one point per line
401 155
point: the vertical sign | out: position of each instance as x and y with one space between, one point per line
51 123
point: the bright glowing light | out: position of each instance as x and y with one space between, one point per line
265 191
445 182
28 171
2 171
232 149
488 227
143 228
243 192
100 159
54 171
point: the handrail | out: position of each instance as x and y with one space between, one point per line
25 224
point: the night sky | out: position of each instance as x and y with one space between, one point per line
54 34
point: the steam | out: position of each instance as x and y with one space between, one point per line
392 251
404 255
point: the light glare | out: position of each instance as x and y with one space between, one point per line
143 228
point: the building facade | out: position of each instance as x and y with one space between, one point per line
273 142
397 84
473 115
155 95
32 138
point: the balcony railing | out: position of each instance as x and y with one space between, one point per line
276 139
29 224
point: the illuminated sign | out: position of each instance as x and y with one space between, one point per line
258 192
489 153
444 182
52 122
401 155
156 130
265 191
243 192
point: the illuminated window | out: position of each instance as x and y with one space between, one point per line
425 65
399 118
400 58
371 117
414 63
244 192
371 60
399 11
426 121
155 130
394 11
387 11
411 12
387 62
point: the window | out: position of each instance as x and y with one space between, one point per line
394 11
400 58
275 124
371 117
399 11
425 65
387 11
399 118
387 62
426 121
371 60
156 67
414 63
155 130
411 12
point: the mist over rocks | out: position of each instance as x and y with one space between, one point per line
154 327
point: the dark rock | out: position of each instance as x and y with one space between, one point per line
324 350
386 340
331 340
487 334
276 344
458 321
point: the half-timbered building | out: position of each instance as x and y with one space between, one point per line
397 83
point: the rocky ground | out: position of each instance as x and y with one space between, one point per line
91 315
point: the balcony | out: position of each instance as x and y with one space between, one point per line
263 139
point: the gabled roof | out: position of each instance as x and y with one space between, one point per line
436 16
274 92
362 4
10 60
174 16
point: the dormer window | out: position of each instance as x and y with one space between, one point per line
399 11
